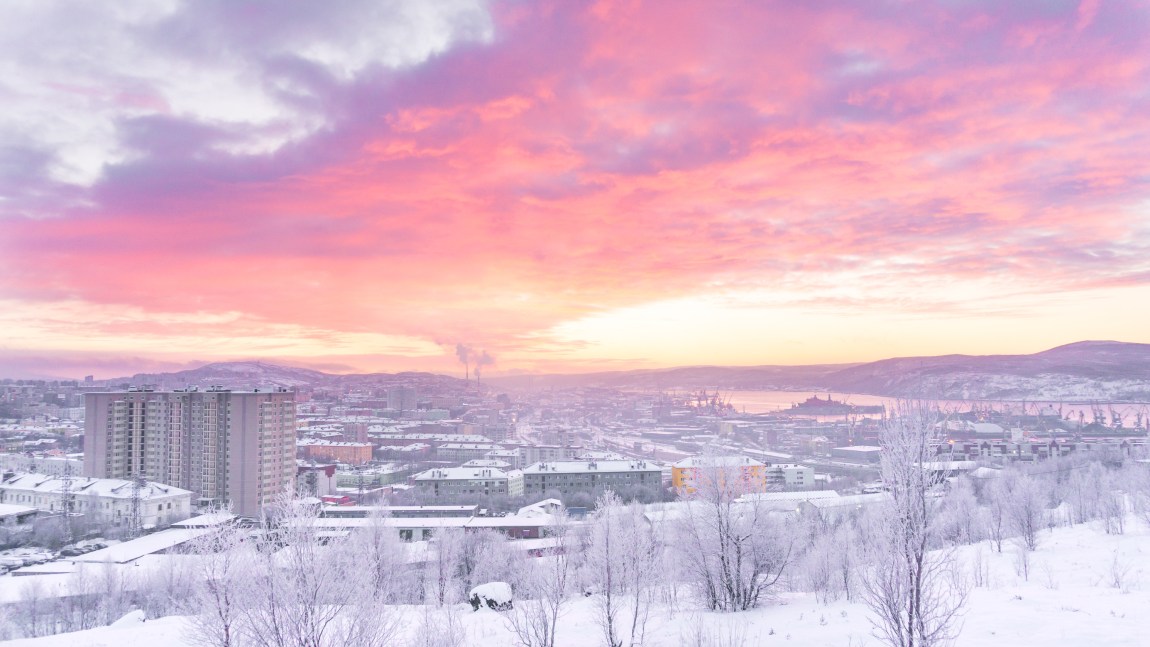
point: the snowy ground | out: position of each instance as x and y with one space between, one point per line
1069 600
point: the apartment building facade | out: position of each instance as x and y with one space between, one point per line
462 481
222 445
740 473
568 477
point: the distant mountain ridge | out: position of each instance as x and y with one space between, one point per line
251 374
1088 370
1083 370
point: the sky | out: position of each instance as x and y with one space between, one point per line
568 186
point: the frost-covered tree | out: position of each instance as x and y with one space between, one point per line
1024 505
382 556
303 592
960 519
543 584
731 547
214 602
915 595
441 570
618 569
827 566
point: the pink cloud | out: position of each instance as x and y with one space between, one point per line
599 156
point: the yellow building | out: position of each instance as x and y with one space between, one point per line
689 474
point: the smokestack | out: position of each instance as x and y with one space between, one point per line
463 352
484 359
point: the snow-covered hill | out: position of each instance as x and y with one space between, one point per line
1091 370
1084 587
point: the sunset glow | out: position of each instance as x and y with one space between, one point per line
570 186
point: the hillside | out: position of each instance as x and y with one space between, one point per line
1085 370
1089 370
686 377
248 374
1083 587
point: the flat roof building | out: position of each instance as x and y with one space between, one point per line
568 477
470 481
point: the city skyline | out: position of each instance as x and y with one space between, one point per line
567 186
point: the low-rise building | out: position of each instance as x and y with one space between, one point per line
791 476
459 452
861 454
15 517
689 474
510 455
329 450
470 481
548 453
112 501
568 477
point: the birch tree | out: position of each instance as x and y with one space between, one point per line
619 570
915 595
543 589
732 548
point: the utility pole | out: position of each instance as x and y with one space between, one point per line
136 512
67 502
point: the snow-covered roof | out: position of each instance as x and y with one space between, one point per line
320 442
11 510
546 506
88 486
509 521
851 501
461 474
717 461
209 520
985 473
578 467
146 545
479 462
790 496
950 466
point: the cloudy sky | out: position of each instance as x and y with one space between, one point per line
568 185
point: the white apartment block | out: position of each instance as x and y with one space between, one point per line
791 477
101 500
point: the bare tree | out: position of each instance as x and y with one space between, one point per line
731 547
618 570
543 589
995 513
382 556
915 595
829 563
1024 506
214 603
310 591
959 517
442 568
438 627
35 612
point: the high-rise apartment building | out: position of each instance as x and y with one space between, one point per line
234 446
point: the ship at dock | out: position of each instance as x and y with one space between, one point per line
816 406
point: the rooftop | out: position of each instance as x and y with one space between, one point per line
88 486
718 461
573 467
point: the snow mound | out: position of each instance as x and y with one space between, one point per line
493 595
131 618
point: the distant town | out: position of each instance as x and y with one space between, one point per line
133 458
